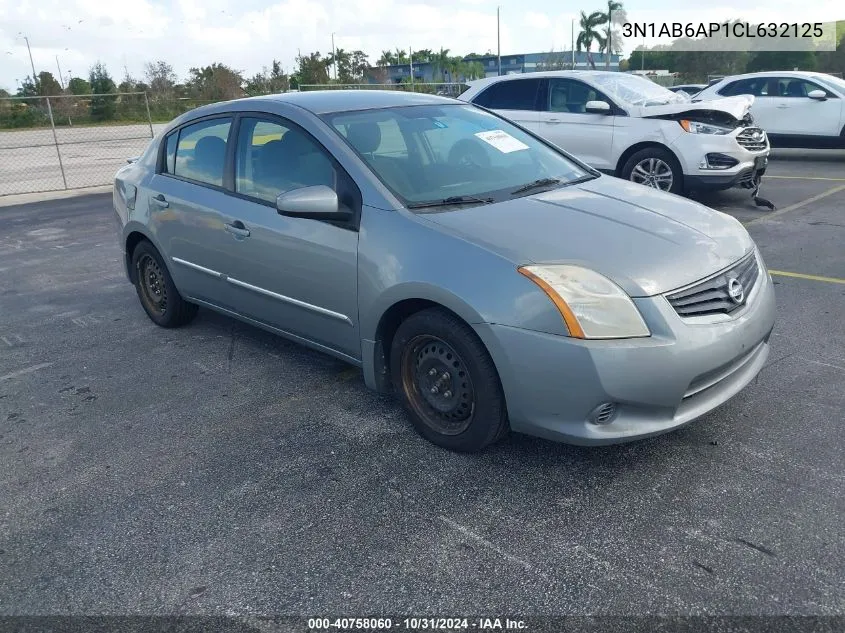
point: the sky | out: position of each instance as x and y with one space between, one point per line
249 34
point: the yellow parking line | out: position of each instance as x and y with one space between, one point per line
796 206
830 280
806 178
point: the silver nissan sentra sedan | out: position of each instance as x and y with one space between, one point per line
491 280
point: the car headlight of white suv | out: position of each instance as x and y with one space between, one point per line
696 127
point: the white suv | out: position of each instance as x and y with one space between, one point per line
631 127
797 109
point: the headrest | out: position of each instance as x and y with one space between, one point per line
364 137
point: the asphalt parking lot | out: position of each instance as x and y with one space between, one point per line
217 469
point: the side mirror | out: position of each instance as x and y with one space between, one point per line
318 202
597 107
818 95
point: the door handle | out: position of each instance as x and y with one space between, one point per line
237 229
782 107
553 121
160 201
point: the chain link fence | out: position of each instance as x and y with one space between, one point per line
68 141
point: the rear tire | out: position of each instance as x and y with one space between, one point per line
447 382
156 290
655 167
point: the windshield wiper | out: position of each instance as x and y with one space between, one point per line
452 200
584 178
542 182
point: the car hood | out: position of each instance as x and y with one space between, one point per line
737 107
647 241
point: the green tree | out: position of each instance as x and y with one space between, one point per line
103 106
781 60
341 64
312 69
78 86
47 85
271 80
359 65
161 79
833 61
387 59
216 82
440 64
613 38
27 88
422 56
589 33
401 56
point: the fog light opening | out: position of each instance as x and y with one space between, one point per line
603 414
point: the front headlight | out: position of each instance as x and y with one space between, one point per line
696 127
592 306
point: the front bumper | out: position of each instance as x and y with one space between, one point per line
685 369
692 149
718 181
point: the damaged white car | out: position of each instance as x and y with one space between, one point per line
631 127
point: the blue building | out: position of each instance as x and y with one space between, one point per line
427 72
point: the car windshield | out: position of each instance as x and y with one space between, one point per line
452 154
636 91
832 82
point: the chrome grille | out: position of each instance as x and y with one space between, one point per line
753 139
713 296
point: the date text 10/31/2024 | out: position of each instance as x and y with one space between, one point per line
416 624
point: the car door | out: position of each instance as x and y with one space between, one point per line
766 103
565 121
514 99
295 274
187 207
797 114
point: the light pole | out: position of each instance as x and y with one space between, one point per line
642 56
61 79
334 59
34 77
499 40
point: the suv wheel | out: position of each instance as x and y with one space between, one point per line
655 167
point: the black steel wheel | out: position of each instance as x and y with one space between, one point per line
447 381
156 290
152 286
438 384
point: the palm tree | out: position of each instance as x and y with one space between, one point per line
440 63
610 33
387 59
590 34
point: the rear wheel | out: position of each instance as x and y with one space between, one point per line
655 167
447 382
159 297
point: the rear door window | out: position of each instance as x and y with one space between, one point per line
201 151
515 94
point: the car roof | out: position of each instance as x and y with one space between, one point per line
324 101
583 74
772 73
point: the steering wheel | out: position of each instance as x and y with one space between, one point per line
469 153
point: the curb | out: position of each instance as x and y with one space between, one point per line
45 196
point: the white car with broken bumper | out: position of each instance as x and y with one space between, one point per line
631 127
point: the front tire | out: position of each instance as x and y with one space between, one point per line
156 290
655 167
447 382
